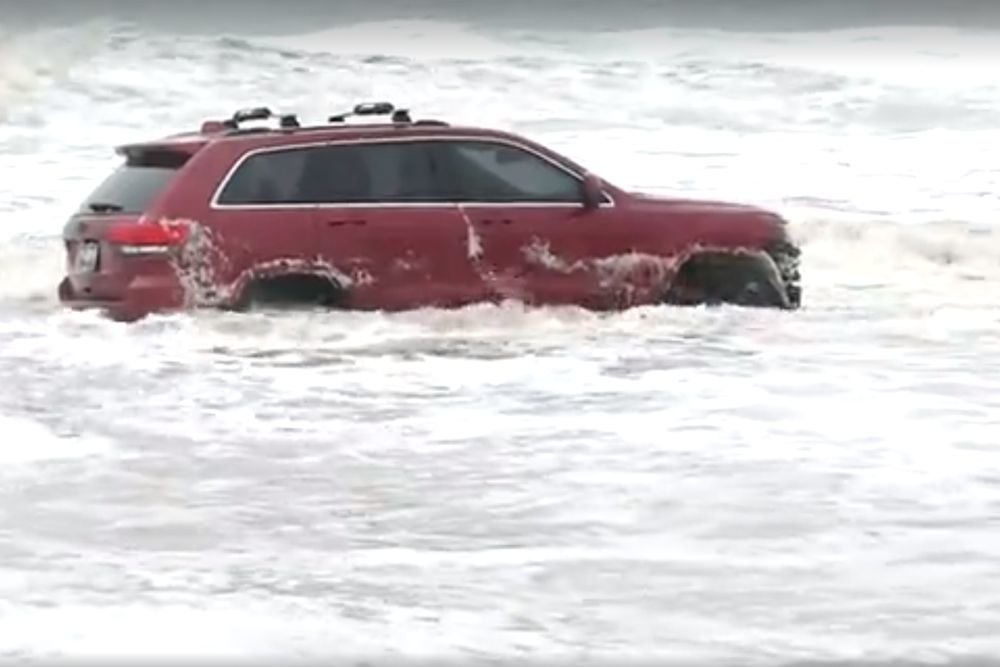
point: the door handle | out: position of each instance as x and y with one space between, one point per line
490 221
343 223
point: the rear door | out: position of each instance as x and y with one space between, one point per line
261 223
386 221
539 243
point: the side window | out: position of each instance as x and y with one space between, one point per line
269 178
403 171
372 173
376 172
337 174
398 172
495 172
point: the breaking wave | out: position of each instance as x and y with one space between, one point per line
35 59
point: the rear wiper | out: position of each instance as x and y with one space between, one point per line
104 207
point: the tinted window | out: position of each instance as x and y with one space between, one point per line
268 178
129 189
404 171
489 171
346 173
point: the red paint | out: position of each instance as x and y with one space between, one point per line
390 257
143 233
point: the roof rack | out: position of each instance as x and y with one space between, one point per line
397 116
290 121
374 109
241 116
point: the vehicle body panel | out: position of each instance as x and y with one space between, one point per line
399 258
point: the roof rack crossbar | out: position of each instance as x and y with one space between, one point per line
240 116
367 109
290 121
252 113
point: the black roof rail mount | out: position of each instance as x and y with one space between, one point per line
285 121
373 109
252 113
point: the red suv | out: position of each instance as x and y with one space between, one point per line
398 214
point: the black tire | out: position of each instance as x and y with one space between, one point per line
728 278
294 291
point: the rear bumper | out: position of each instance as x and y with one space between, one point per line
138 299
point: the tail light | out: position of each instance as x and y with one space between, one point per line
148 238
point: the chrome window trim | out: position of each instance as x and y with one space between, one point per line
215 205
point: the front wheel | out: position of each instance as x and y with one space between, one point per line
737 278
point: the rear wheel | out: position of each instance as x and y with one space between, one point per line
292 291
715 278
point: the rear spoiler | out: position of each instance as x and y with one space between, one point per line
166 153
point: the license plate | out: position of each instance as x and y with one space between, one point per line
86 257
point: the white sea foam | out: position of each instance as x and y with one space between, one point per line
499 480
26 441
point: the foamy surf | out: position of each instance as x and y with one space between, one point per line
25 441
252 629
30 272
410 38
626 484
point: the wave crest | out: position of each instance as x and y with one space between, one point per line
30 61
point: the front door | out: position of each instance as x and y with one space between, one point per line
384 223
538 242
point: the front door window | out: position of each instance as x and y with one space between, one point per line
501 173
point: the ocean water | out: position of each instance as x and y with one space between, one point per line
705 486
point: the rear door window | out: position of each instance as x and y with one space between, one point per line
271 178
133 186
361 173
404 171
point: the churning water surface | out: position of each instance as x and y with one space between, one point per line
697 484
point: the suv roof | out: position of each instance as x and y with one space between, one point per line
288 130
235 128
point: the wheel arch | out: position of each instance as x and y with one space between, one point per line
290 282
710 275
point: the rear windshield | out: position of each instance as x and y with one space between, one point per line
132 187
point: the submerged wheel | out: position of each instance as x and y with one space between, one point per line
715 278
301 290
787 257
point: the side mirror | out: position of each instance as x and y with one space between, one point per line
593 191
